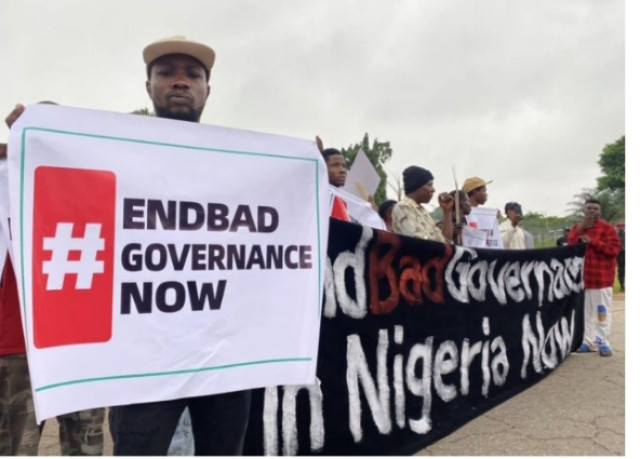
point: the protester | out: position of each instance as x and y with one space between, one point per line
476 189
336 166
462 208
80 433
337 170
178 72
513 236
603 246
385 211
411 219
19 433
564 239
347 206
482 218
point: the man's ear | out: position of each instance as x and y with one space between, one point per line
148 86
208 90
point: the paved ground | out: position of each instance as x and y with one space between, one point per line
578 410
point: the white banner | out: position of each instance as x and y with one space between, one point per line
360 211
363 178
473 237
486 220
160 259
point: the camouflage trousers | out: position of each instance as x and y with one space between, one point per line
19 434
81 433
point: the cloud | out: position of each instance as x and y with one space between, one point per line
527 93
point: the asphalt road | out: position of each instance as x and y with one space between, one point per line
578 410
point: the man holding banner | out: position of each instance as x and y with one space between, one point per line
178 72
484 219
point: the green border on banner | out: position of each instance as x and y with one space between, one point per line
188 147
175 372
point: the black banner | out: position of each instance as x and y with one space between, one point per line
418 338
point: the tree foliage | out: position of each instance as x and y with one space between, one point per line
610 190
612 207
612 165
545 230
143 111
378 153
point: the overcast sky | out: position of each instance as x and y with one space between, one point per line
524 92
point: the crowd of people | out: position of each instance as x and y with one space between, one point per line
178 73
604 243
410 218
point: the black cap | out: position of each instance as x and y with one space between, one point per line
414 177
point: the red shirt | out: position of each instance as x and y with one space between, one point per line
600 257
11 335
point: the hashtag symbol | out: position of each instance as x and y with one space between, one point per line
61 244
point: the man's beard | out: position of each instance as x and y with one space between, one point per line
192 115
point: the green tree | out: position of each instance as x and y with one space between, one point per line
612 165
143 111
545 230
610 190
611 204
378 153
